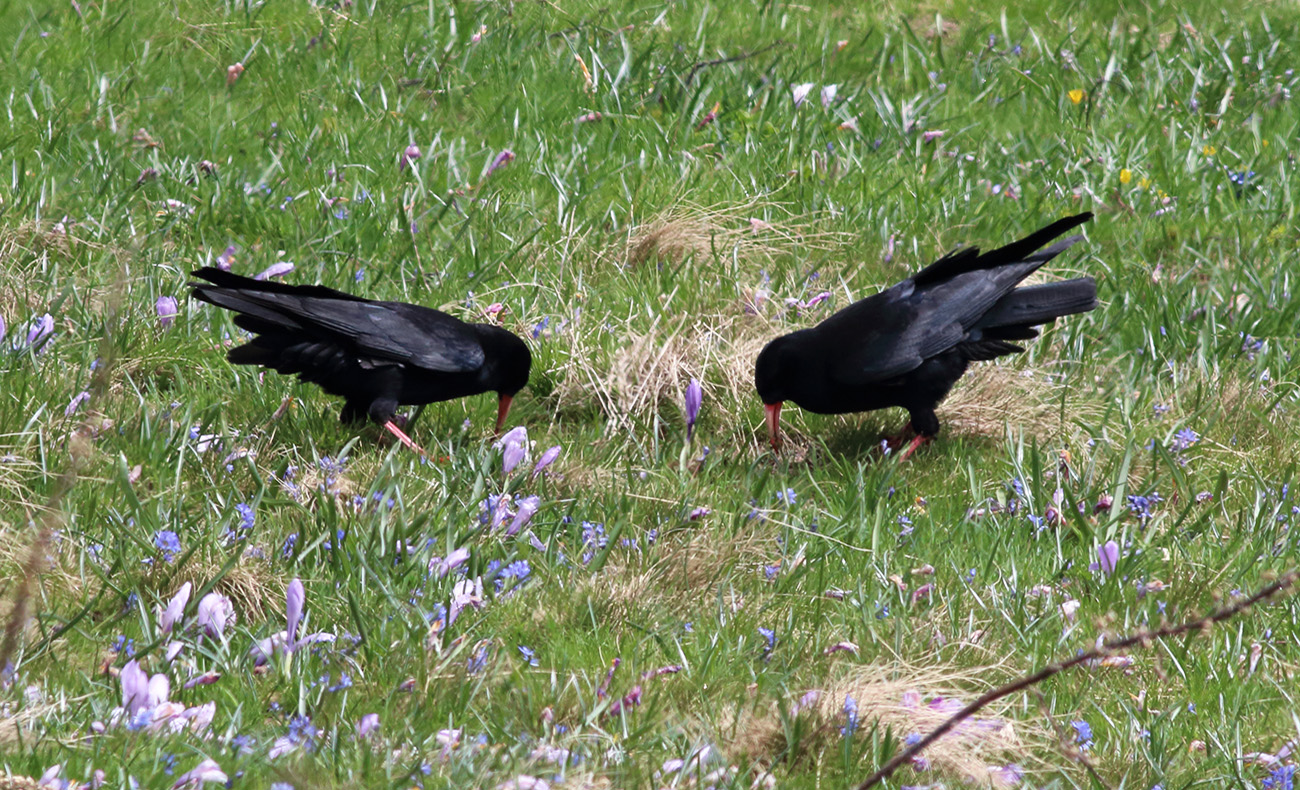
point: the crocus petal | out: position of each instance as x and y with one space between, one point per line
1108 557
801 91
226 259
513 454
526 508
454 560
694 399
166 309
40 333
275 270
411 154
214 612
201 774
295 599
174 648
2 327
504 158
546 460
368 724
175 608
135 687
828 94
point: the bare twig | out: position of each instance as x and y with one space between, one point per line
1283 583
704 64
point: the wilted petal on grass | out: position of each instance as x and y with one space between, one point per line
233 72
411 154
214 613
816 300
175 608
800 92
201 774
828 94
275 270
842 647
504 158
166 309
226 259
694 399
932 135
294 599
206 679
546 460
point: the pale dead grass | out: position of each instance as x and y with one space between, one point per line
754 231
896 698
689 562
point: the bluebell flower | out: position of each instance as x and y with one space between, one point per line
787 496
168 542
850 717
529 655
1082 734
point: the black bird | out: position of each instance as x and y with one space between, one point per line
376 355
908 345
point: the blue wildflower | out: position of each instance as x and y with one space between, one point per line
529 655
850 717
1082 734
302 732
169 543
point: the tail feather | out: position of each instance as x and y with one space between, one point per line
961 261
1040 304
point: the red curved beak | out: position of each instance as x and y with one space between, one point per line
774 424
503 408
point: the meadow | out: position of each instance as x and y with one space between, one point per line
647 193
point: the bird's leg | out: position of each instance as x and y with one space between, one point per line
392 428
897 441
911 448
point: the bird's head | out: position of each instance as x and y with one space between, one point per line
776 374
507 371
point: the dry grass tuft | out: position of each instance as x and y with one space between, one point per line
695 565
991 397
901 700
747 231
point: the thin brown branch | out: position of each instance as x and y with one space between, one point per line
1283 583
704 64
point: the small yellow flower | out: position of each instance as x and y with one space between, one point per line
1125 176
1264 143
1144 182
1209 150
1076 95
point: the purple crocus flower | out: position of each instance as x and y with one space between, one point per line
1108 557
175 608
135 688
526 507
801 91
514 446
454 560
166 309
368 724
546 460
465 593
411 154
74 405
2 327
294 599
694 398
504 158
276 270
201 774
40 333
215 611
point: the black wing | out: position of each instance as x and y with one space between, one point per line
893 332
374 331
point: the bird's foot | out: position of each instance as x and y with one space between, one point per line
894 443
392 428
911 448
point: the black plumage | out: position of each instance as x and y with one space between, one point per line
376 355
908 345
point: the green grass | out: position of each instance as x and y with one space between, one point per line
630 238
